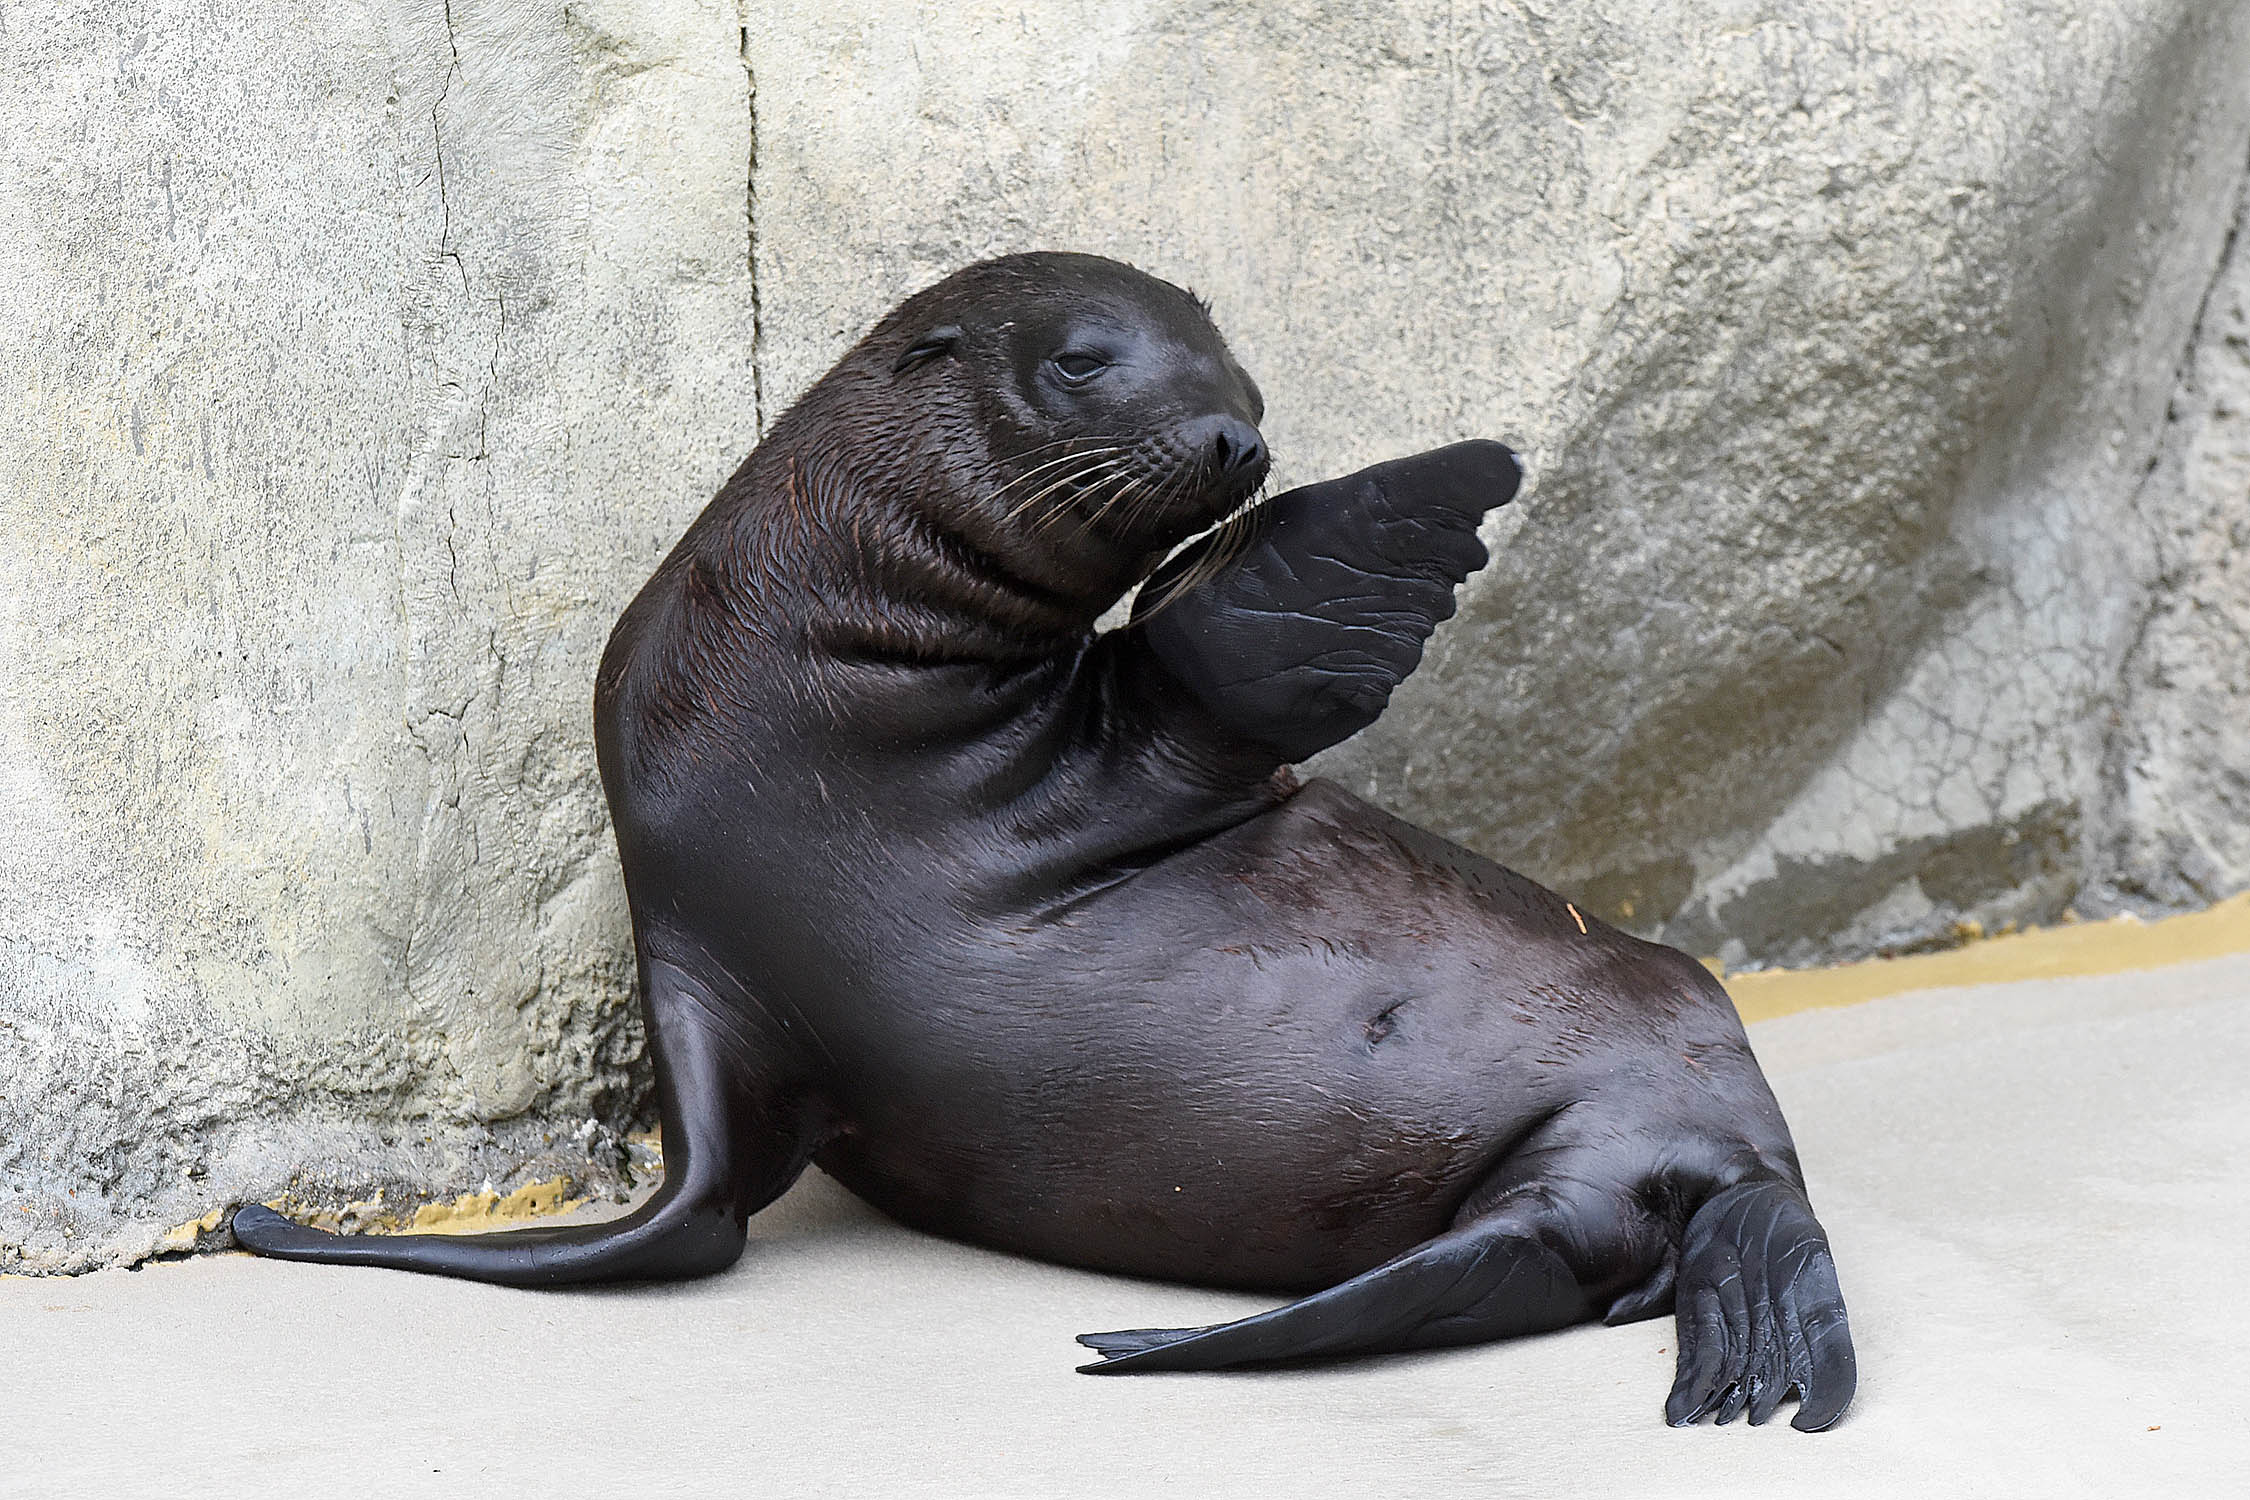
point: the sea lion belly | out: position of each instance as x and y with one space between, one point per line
1270 1059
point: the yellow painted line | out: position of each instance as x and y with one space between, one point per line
478 1213
183 1236
2112 947
471 1213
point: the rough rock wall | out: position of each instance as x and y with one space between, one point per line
360 365
2179 774
1879 571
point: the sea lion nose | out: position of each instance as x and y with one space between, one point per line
1236 447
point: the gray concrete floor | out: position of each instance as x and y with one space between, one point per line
2037 1193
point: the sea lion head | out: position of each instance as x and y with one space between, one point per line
1108 409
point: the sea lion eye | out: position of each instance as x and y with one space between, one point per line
1077 366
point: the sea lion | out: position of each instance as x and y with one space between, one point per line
1025 932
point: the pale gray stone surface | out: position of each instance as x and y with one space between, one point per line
360 365
1883 374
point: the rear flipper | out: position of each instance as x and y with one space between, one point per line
1485 1280
737 1131
1760 1313
1759 1310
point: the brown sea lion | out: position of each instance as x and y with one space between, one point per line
1025 932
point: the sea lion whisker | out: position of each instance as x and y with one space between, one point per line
1083 442
1084 479
1117 475
1159 496
1074 456
1129 495
1222 544
1049 463
1088 463
1076 477
1136 484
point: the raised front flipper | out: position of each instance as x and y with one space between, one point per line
1298 643
1486 1280
737 1131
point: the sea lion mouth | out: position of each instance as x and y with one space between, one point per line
1168 499
1158 487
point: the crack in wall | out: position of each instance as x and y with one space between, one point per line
750 218
436 326
437 148
2129 736
2185 369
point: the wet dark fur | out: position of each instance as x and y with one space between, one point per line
1028 936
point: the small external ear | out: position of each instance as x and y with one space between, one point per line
928 347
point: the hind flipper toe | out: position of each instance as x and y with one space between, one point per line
1761 1314
1126 1341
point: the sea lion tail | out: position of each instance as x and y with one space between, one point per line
1760 1312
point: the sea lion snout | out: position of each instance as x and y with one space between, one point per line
1194 471
1237 449
1219 454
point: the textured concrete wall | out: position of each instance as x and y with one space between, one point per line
1884 374
360 365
